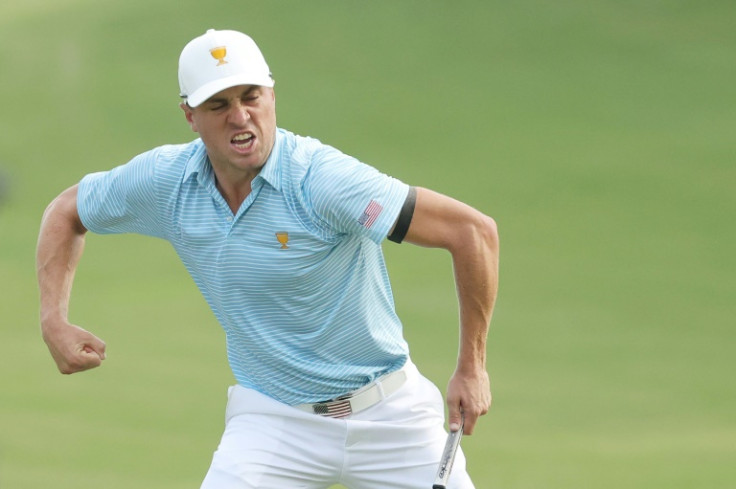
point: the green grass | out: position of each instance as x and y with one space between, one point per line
600 135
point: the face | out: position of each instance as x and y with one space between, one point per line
237 126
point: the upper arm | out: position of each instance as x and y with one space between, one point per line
440 221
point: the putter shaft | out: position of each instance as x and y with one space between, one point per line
448 457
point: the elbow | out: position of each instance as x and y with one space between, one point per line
63 210
487 232
491 231
477 235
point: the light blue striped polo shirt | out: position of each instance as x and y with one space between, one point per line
296 278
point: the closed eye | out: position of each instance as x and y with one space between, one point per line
251 96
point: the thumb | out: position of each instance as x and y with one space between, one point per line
95 346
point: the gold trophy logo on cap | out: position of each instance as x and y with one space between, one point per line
219 54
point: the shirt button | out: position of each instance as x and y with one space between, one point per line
229 218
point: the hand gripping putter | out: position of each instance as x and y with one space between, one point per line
448 457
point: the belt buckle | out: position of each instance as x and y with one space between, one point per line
337 408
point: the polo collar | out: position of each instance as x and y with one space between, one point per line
271 171
199 164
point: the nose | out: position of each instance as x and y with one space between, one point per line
238 113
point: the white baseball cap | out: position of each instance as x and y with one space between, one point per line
218 60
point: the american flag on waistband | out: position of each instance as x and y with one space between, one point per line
370 214
333 409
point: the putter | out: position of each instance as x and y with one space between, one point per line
448 457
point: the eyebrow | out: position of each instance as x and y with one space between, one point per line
219 100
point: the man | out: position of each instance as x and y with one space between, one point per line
282 235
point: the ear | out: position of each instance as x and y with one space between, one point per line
189 114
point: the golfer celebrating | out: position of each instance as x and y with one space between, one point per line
282 235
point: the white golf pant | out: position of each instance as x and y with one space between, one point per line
395 444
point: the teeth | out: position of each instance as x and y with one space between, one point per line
242 137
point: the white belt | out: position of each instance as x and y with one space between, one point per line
359 400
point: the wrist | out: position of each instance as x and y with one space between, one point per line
53 321
473 368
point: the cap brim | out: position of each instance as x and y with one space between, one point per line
209 89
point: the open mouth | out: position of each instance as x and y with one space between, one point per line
243 141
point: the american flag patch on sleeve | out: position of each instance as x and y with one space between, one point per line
370 214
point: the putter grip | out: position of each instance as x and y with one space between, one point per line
448 457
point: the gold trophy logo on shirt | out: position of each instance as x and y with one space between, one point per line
219 54
283 238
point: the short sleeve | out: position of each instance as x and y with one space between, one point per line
353 197
121 200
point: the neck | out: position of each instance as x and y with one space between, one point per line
234 191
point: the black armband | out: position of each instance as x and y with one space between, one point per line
404 219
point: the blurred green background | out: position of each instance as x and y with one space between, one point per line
601 135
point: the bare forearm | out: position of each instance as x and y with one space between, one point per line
60 246
475 261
